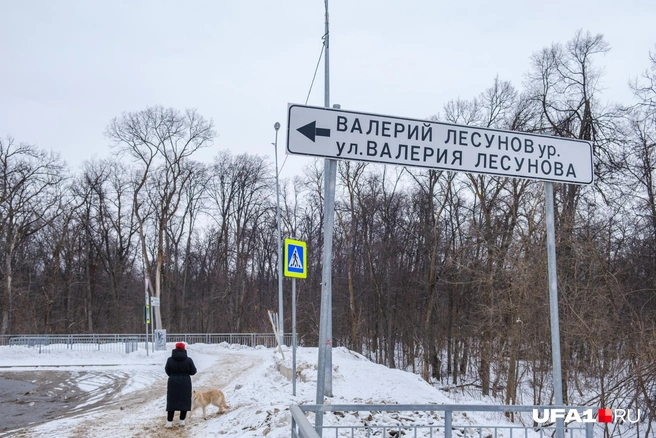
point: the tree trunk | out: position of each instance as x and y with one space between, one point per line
89 297
7 293
158 292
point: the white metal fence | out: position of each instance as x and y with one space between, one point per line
443 427
127 343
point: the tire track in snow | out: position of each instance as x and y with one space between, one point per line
142 414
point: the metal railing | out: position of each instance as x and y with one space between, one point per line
127 343
248 339
302 428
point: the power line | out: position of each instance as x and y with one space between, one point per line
323 46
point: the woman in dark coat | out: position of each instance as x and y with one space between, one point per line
179 368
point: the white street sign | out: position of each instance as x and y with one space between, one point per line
348 135
154 301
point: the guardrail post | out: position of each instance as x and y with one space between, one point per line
447 423
301 427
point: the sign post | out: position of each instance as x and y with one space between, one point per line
160 335
553 304
295 267
349 135
147 311
160 340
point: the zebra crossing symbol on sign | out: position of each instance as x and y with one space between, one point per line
295 259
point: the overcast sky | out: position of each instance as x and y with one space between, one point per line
69 67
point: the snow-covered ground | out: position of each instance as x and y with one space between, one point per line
127 392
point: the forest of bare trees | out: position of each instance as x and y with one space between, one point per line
440 273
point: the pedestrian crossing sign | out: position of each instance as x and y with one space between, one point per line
295 259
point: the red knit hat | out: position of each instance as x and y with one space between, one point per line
180 345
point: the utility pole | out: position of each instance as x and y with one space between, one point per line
281 323
324 372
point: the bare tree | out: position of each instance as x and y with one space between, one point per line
29 200
350 175
639 204
563 84
109 225
644 88
161 141
382 205
238 195
182 227
494 229
434 189
640 154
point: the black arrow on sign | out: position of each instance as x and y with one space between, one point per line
310 131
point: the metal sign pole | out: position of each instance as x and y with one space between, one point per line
281 320
147 311
324 375
295 267
553 305
293 336
152 328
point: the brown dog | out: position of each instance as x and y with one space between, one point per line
203 399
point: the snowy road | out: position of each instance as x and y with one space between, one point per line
33 397
106 401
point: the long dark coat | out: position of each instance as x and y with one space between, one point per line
179 368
